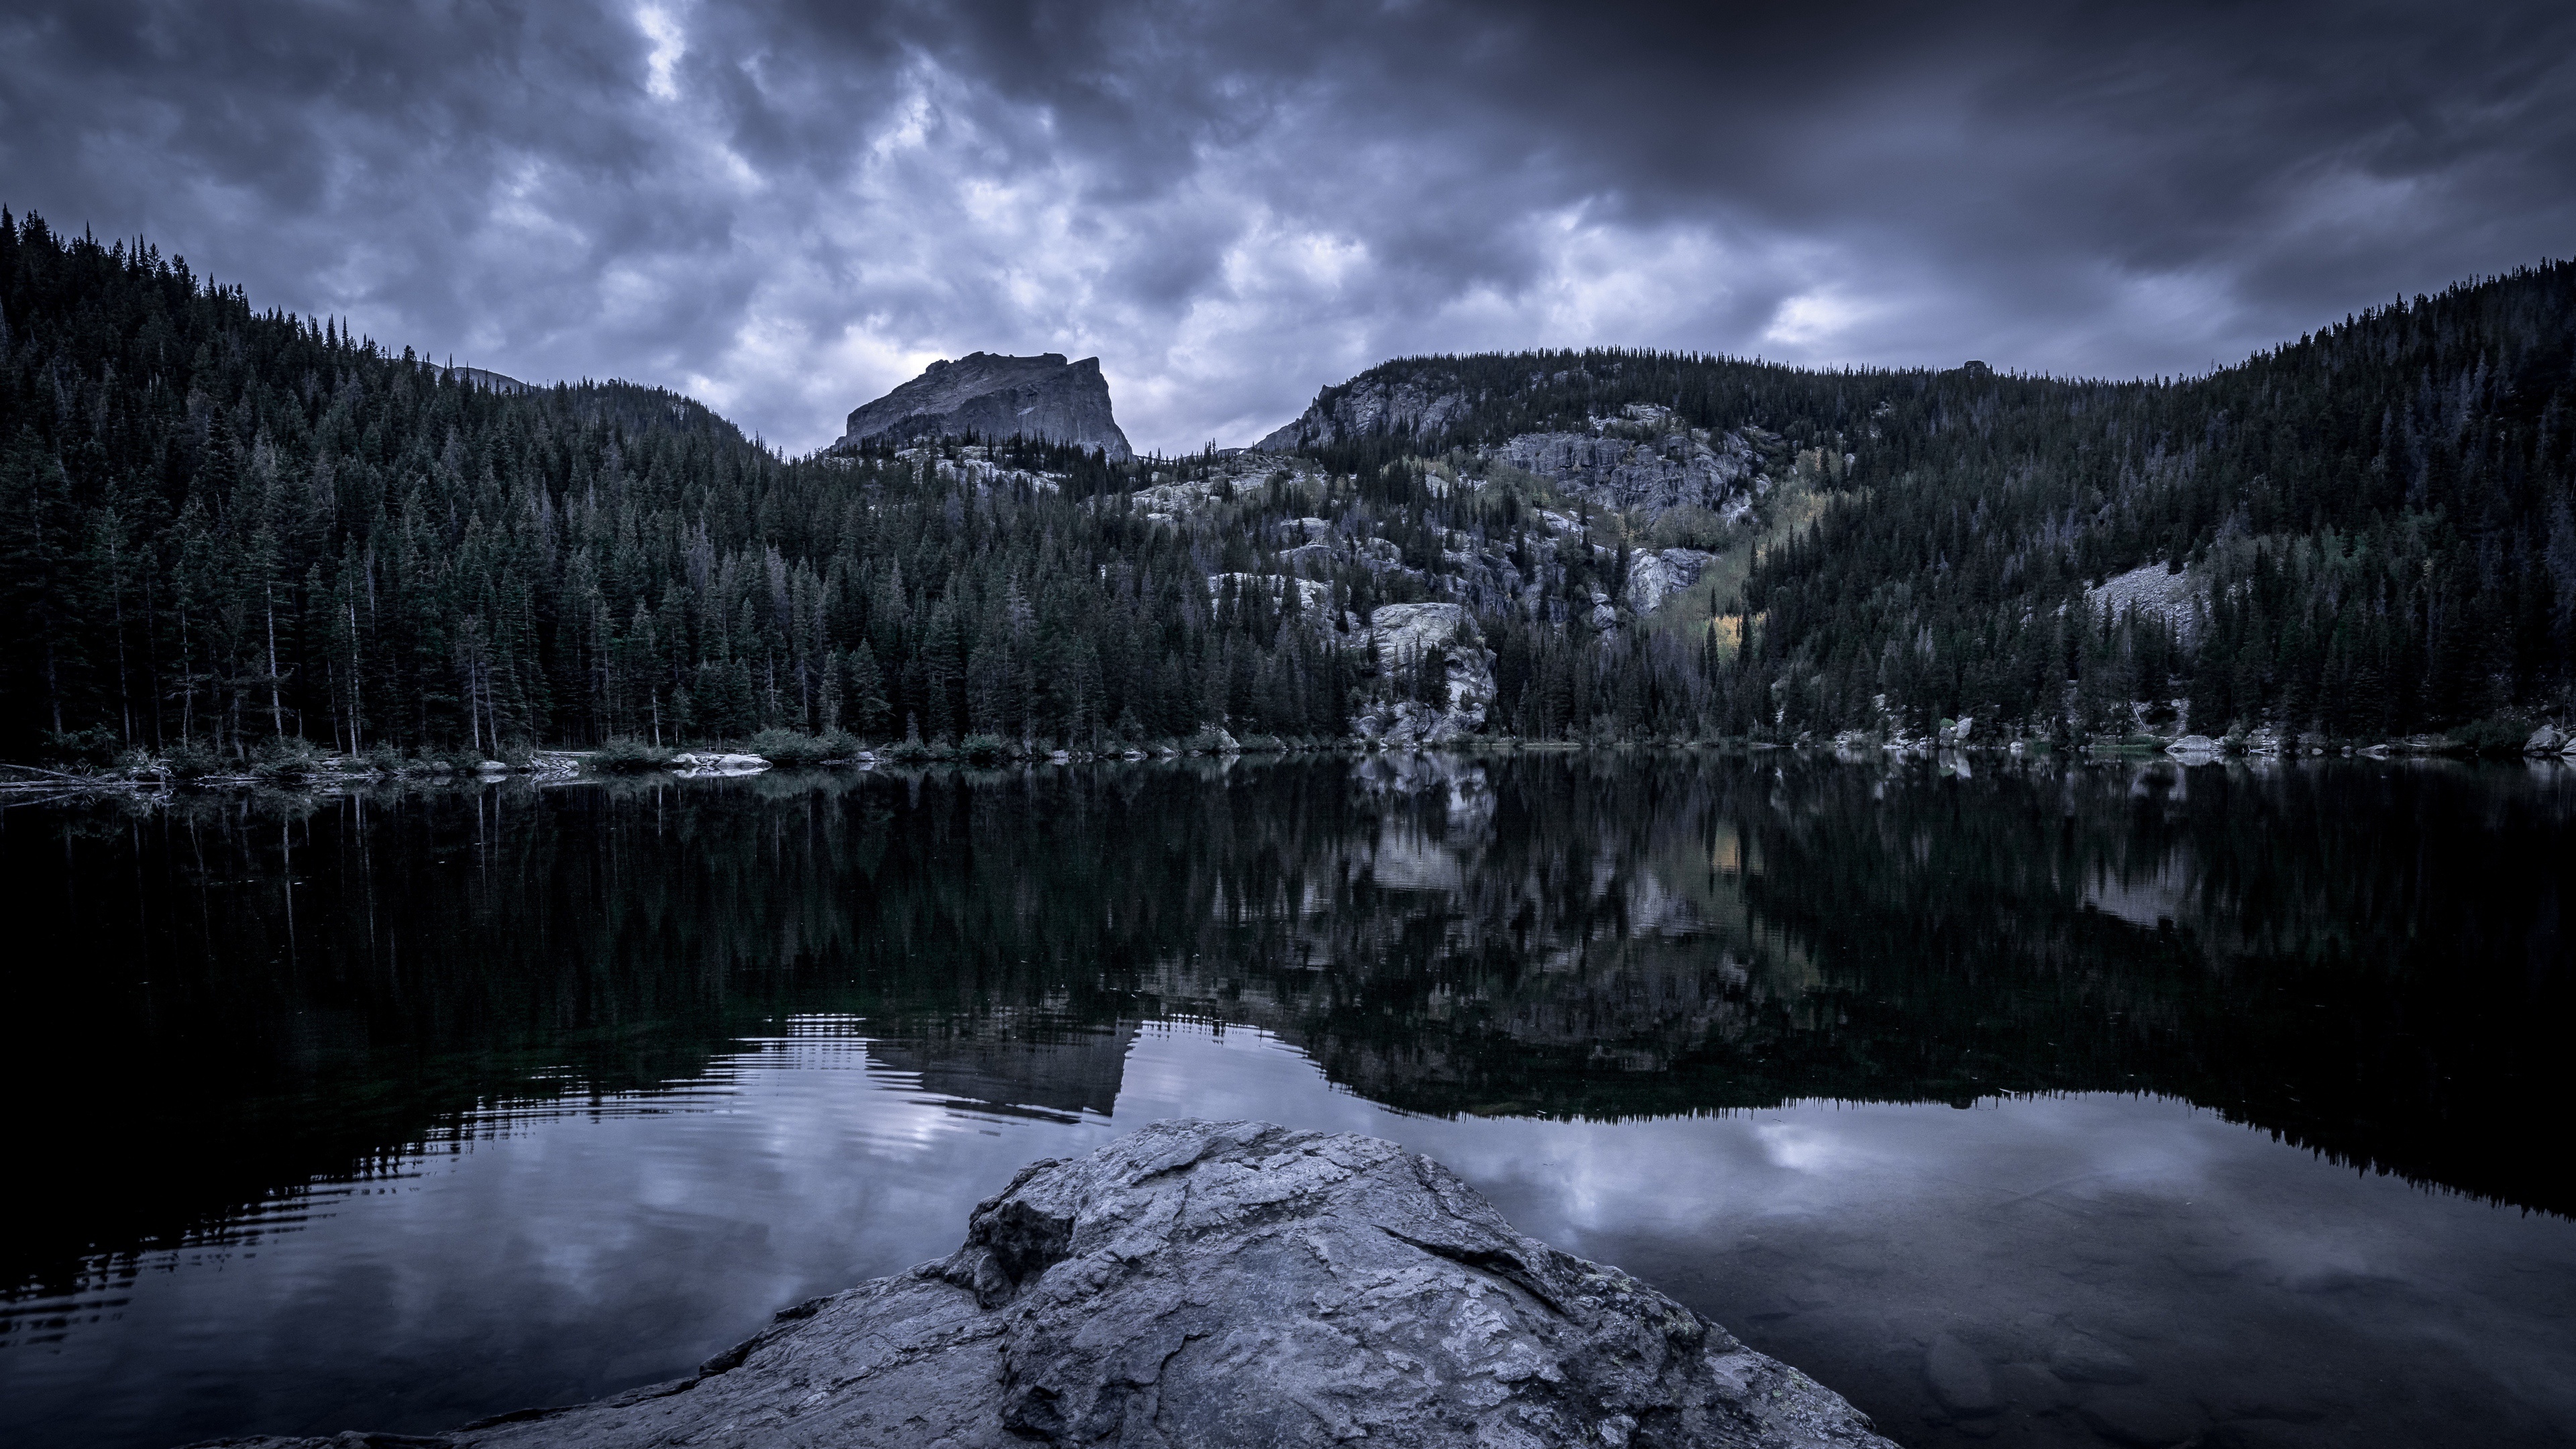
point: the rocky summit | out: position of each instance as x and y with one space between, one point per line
1222 1283
989 396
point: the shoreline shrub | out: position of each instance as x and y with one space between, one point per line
622 753
789 749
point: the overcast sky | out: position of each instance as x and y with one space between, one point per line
786 209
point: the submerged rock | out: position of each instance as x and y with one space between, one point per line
1224 1283
1959 1379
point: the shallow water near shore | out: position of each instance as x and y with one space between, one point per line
2037 1105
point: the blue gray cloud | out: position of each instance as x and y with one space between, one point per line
788 208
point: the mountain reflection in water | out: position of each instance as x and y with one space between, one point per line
241 1016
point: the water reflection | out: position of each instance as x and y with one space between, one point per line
394 1110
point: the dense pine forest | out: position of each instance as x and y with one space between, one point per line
221 529
226 533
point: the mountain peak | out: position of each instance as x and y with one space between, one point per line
995 396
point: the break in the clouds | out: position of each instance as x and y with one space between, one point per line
786 209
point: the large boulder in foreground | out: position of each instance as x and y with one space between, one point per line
990 396
1226 1283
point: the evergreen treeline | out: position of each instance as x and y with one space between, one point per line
222 528
225 531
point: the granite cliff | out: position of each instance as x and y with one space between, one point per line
1635 456
990 396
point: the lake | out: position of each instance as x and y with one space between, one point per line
2026 1103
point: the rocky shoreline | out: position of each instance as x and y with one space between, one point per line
1395 727
1216 1283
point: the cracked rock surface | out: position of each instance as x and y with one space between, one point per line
1221 1283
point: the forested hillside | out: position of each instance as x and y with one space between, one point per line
2367 532
227 531
231 527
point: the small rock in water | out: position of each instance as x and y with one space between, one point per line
1222 1283
695 765
1959 1378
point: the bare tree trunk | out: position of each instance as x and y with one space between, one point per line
152 664
276 708
355 696
187 676
116 591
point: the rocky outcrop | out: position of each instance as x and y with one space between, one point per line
2154 592
693 767
1410 404
1224 1283
1643 460
1399 637
1645 465
989 396
1655 575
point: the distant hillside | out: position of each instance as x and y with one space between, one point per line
2367 531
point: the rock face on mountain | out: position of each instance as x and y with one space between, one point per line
1411 404
1640 458
1653 465
991 396
1399 637
1222 1283
1655 575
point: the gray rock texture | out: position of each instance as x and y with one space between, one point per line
1399 637
2175 598
1643 460
1667 467
1655 575
991 396
1224 1283
1420 405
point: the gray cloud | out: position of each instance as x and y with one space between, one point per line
786 209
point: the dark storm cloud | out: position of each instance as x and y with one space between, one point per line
787 208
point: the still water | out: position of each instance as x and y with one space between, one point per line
2045 1105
